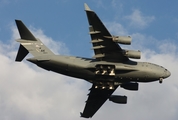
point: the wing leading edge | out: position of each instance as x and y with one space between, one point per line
97 97
104 47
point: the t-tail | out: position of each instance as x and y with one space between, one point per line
28 43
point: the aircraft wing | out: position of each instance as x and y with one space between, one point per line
96 99
104 47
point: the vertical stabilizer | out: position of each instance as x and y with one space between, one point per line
28 43
24 32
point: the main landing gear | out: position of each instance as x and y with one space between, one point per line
106 70
105 75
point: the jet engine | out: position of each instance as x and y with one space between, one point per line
118 99
132 54
130 86
121 39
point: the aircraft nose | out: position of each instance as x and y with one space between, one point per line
167 73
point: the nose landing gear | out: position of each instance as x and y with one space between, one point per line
161 80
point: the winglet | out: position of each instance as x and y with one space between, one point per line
86 7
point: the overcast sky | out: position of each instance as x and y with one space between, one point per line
31 93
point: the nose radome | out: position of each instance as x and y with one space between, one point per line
167 73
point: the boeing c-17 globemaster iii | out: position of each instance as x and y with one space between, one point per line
109 68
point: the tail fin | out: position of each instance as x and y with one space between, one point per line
28 43
24 32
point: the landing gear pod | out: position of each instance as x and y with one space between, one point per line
130 86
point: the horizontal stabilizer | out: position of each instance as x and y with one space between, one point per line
22 52
24 32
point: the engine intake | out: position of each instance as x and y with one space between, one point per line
118 99
132 54
130 86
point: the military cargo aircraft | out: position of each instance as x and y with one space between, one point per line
109 68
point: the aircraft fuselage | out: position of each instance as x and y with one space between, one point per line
90 69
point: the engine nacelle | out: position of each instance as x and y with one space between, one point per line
132 54
122 39
130 86
118 99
